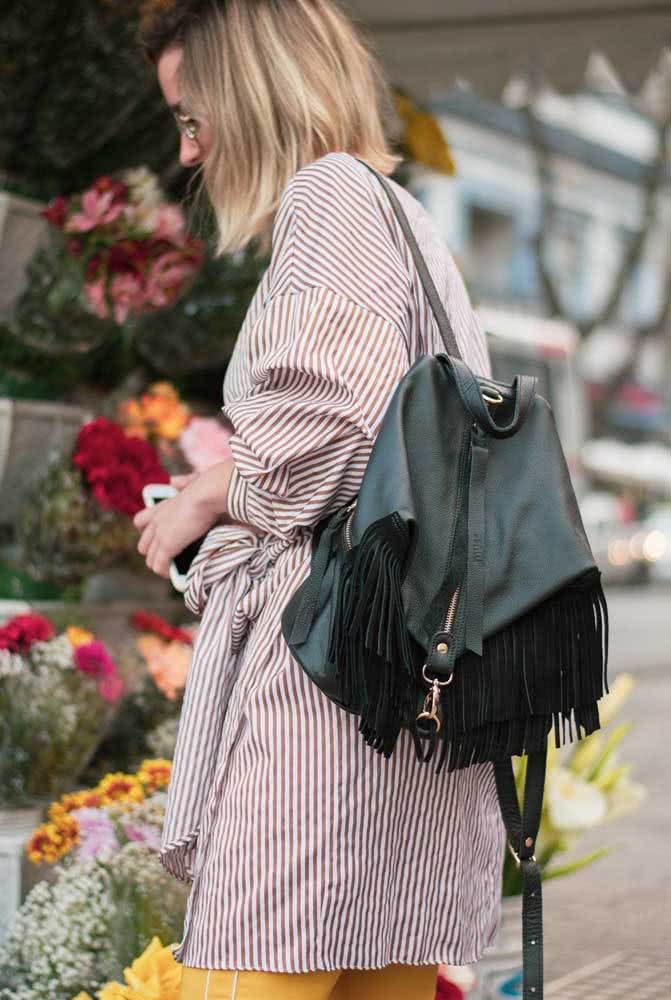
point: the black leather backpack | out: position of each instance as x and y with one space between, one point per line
457 595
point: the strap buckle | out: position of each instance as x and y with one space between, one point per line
514 853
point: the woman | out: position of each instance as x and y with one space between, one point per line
319 868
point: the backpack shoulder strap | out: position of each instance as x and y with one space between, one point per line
444 325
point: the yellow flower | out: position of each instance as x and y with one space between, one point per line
119 787
423 136
83 996
586 754
86 798
78 636
155 975
611 703
155 773
51 841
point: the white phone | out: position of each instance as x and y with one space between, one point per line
152 494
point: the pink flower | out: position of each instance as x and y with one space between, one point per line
166 276
204 442
169 222
96 210
96 832
143 833
92 658
127 293
95 294
110 688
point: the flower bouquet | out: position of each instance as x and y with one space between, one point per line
183 440
108 899
155 661
58 695
118 250
79 519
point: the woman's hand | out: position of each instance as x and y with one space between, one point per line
171 525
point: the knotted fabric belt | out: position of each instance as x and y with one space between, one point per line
230 559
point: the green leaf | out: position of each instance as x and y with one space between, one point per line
573 866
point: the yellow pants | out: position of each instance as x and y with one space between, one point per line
393 982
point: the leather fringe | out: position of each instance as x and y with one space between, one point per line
372 657
548 668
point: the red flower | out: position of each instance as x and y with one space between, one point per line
99 442
92 658
56 211
94 266
124 256
117 466
106 183
446 990
147 621
21 632
118 487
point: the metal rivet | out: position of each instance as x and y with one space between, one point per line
533 989
533 942
528 842
442 647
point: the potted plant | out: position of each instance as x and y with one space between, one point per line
58 695
106 898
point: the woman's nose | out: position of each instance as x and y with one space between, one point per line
189 152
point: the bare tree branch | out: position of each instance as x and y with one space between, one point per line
632 254
660 323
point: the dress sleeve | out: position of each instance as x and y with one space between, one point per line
322 370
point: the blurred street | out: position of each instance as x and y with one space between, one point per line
608 928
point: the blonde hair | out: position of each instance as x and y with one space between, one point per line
281 83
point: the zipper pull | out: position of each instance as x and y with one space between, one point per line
439 659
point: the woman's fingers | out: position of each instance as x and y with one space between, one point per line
146 539
179 482
156 559
143 517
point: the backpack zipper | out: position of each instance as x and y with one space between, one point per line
347 526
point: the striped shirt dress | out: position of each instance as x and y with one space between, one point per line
307 849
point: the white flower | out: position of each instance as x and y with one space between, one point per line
611 703
55 652
11 664
624 798
573 804
67 934
144 189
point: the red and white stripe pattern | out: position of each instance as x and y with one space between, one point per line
307 849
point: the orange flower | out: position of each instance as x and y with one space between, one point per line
87 797
119 787
132 417
169 667
51 841
155 774
159 412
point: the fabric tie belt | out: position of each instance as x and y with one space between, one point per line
229 561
